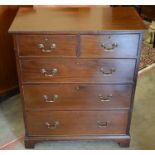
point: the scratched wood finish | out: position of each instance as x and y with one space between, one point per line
77 123
77 97
65 45
71 70
102 46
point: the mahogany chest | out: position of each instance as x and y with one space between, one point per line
77 70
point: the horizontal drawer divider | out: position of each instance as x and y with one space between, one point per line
85 110
69 57
39 83
133 83
78 136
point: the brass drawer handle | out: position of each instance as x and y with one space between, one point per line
52 125
103 124
109 49
53 99
107 73
50 72
104 98
42 47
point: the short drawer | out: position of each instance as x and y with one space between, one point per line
49 123
109 46
77 96
46 45
78 70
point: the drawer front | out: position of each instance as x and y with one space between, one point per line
76 96
74 70
109 46
47 45
76 122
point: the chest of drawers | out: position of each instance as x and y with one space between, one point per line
77 71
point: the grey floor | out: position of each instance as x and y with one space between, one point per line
142 126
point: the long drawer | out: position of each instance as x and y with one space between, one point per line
47 45
76 123
77 70
77 96
109 46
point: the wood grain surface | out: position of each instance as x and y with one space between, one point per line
77 123
84 87
66 20
78 70
65 45
77 97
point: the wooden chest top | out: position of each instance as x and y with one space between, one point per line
72 20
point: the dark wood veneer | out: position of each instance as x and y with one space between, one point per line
66 20
77 123
84 71
77 96
65 45
100 46
70 70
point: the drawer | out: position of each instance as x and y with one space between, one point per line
76 122
47 45
77 96
109 46
78 70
